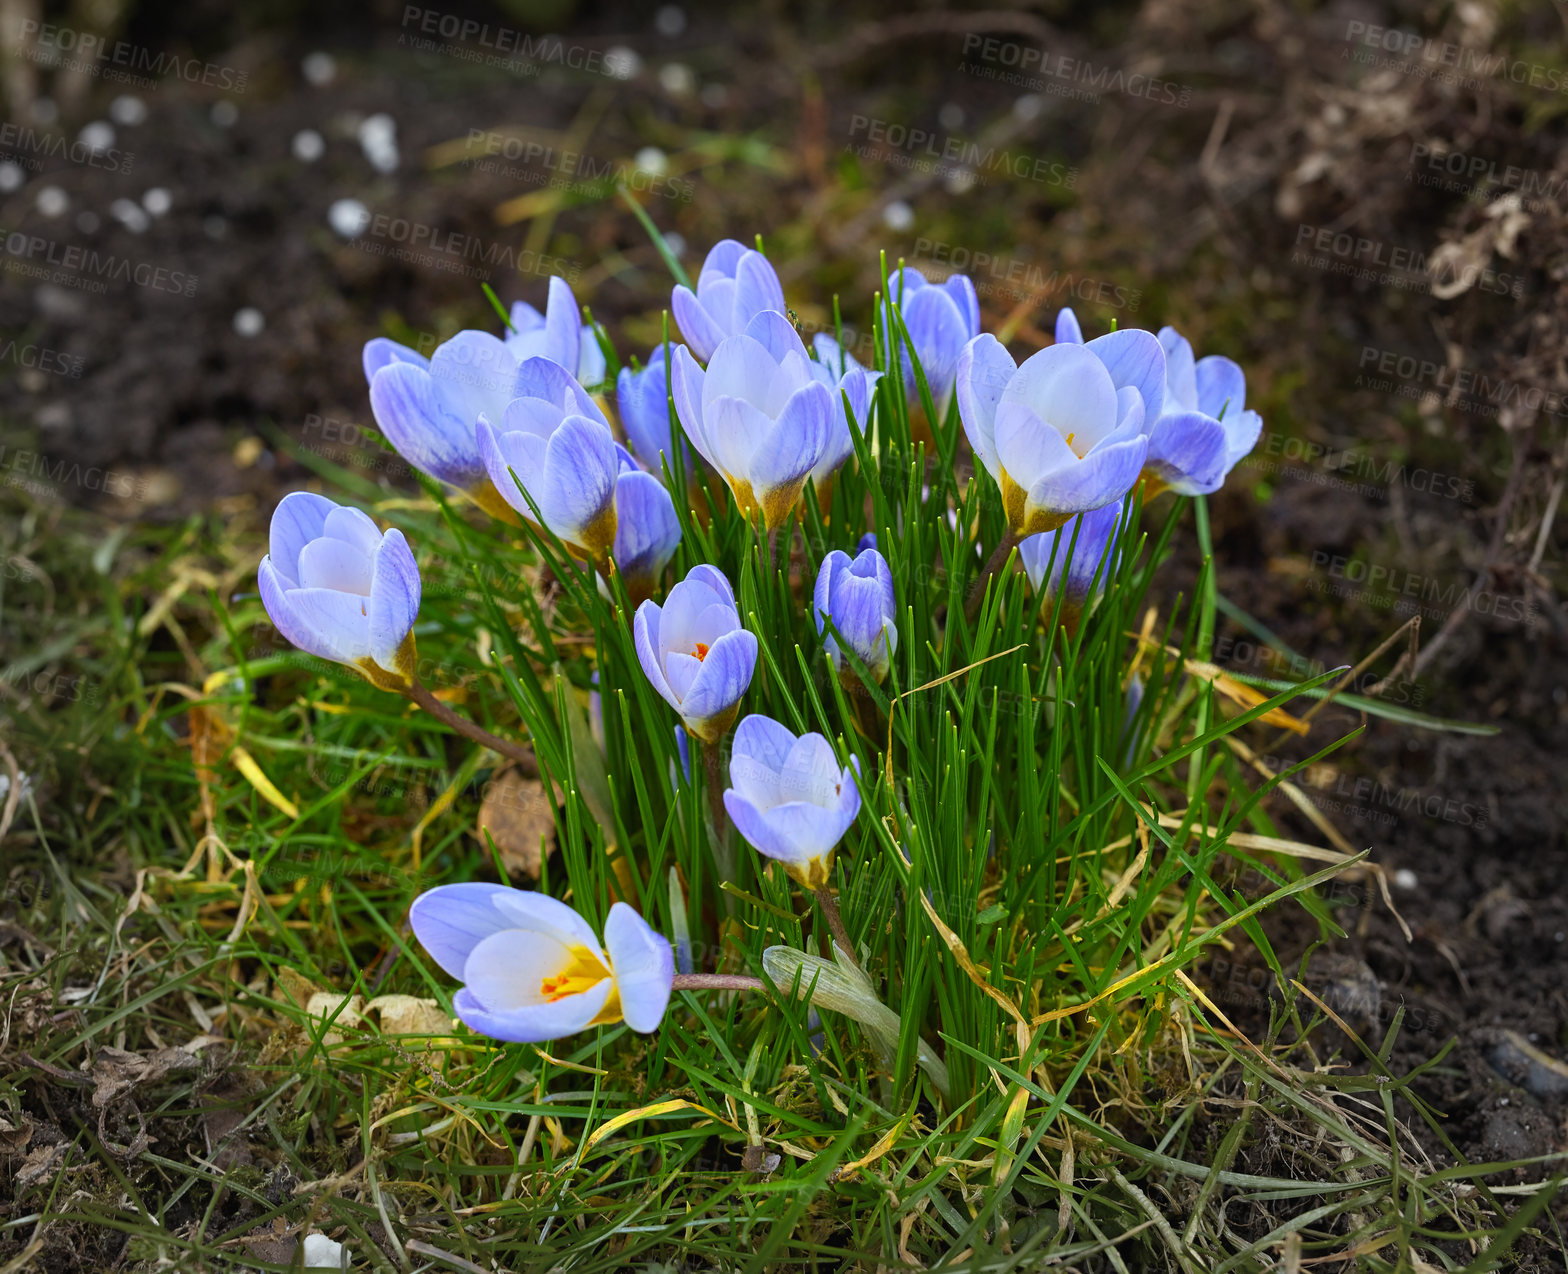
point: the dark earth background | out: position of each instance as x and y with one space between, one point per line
1213 202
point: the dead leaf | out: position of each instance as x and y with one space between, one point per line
409 1015
117 1072
521 818
41 1162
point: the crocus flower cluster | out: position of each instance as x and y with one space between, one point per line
523 424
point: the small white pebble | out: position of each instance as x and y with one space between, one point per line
670 20
322 1253
158 201
249 321
308 146
319 68
650 159
378 139
128 111
675 241
53 202
130 215
621 63
225 114
97 136
12 176
1027 106
676 79
349 218
951 115
898 215
1404 878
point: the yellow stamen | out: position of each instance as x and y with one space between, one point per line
585 971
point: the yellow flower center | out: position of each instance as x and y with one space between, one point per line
700 650
584 972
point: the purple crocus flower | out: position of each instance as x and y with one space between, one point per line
941 318
1206 427
428 410
696 653
790 799
1056 433
758 414
1095 530
643 399
338 587
558 334
533 969
555 441
735 285
646 531
843 378
858 597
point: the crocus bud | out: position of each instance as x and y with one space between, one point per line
941 319
1205 428
558 334
1095 531
858 597
696 653
844 379
643 399
533 969
758 414
337 587
646 532
735 285
429 410
553 443
1056 433
790 799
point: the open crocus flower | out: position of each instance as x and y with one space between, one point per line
758 414
337 587
643 399
428 410
555 441
736 284
696 653
942 318
790 799
858 597
1095 530
844 378
532 968
1206 427
558 334
1055 433
646 531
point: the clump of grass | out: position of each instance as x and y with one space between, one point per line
214 858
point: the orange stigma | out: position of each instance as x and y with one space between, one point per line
701 650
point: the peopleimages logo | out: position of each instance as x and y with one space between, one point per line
1445 60
923 148
74 266
1019 278
27 145
95 55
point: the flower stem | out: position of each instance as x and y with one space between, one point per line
829 905
715 785
716 982
994 563
420 694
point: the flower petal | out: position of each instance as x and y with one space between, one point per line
702 333
380 351
1105 474
394 598
277 596
1181 384
339 622
1187 449
1067 330
1134 357
644 967
451 920
562 326
645 636
1221 387
1068 388
726 673
984 371
421 426
301 516
580 469
536 1023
